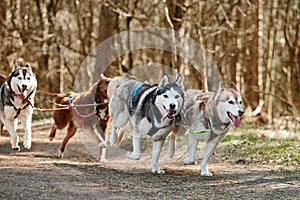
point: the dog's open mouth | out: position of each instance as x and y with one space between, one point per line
168 114
21 94
235 120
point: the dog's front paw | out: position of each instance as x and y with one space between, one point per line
133 156
205 173
17 148
27 145
103 160
188 161
60 154
158 171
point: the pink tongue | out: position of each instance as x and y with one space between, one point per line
236 121
20 96
165 115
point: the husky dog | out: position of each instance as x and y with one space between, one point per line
143 109
78 117
17 101
213 112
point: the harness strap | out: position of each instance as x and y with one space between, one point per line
136 89
213 123
84 116
27 98
19 110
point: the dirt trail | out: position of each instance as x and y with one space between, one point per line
39 174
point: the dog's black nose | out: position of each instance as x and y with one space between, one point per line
24 87
241 112
172 106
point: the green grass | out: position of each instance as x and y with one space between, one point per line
250 148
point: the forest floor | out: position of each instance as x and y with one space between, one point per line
246 165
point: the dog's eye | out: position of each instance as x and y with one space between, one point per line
177 96
28 78
231 102
166 96
241 102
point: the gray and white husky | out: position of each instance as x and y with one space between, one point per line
144 109
207 117
17 101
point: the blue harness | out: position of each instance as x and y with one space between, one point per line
136 89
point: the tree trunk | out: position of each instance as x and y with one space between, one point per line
108 24
251 67
295 69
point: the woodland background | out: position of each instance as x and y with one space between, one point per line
254 43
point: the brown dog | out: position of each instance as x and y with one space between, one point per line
83 116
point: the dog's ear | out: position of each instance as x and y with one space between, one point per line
221 86
179 82
102 76
164 81
16 65
221 89
28 66
105 78
232 85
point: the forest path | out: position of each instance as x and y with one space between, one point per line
39 174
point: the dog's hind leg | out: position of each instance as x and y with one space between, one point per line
52 132
192 149
116 136
101 135
120 137
70 133
209 149
113 135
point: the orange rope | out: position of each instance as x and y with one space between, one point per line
51 109
84 116
50 93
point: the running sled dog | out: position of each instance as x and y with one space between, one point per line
207 117
17 101
92 120
143 109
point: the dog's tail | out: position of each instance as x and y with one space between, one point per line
114 84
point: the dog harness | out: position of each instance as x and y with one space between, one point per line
25 100
137 93
136 89
154 113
